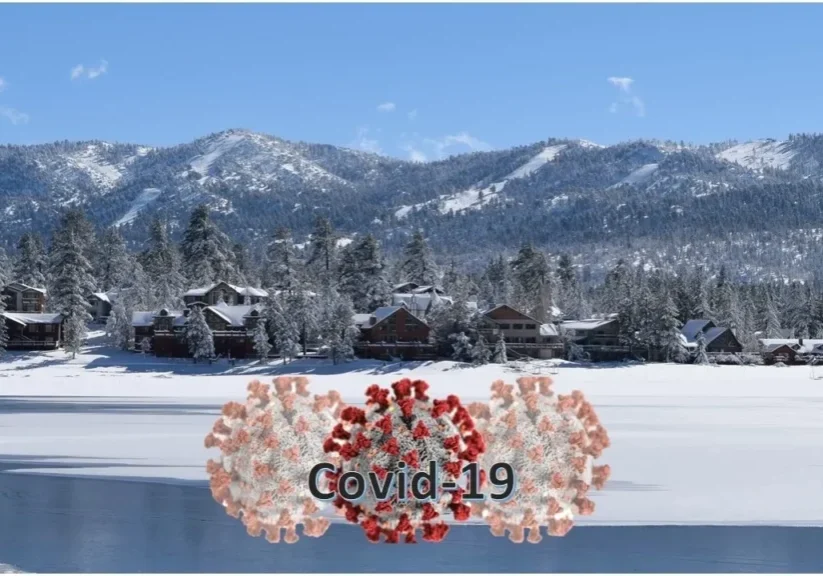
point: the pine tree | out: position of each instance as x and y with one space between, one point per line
4 335
243 273
418 263
701 357
335 325
283 327
71 280
282 266
462 347
161 263
500 356
145 345
669 337
363 276
533 287
480 352
773 329
5 269
323 250
199 336
207 251
119 328
112 262
261 340
31 265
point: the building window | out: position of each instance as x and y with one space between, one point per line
505 326
48 328
531 326
529 340
518 326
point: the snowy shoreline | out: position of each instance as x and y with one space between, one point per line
690 444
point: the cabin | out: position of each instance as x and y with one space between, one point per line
23 298
393 332
231 327
718 339
419 304
36 331
101 303
599 338
523 334
225 292
774 353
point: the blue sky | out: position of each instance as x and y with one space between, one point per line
417 81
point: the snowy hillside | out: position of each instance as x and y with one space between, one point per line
760 154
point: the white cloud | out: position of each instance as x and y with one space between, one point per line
624 84
386 107
14 116
462 139
90 72
412 114
626 96
3 84
365 142
415 155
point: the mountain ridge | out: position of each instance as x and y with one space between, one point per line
563 194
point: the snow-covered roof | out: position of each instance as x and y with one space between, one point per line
692 327
234 315
242 290
142 318
427 290
360 320
808 346
105 296
418 301
686 344
548 330
26 318
411 285
588 324
712 333
20 287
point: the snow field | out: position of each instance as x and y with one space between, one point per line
690 444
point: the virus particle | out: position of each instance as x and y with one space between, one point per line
550 441
405 432
269 445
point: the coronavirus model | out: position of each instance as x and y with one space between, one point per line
550 442
269 445
398 436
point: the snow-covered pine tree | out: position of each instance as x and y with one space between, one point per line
31 265
462 347
161 263
418 264
363 275
71 281
5 268
500 356
701 357
282 265
496 284
773 329
480 352
145 346
137 291
112 264
668 336
322 259
284 329
4 335
261 340
119 328
336 329
199 336
207 251
243 275
533 284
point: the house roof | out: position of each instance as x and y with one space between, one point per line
26 318
242 290
548 330
109 297
584 325
713 333
418 301
234 315
809 345
361 320
384 312
19 287
406 285
142 318
692 327
489 311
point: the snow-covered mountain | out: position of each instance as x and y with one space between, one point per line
558 192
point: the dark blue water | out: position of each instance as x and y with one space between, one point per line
56 524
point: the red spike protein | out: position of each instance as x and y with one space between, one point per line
407 427
268 446
550 441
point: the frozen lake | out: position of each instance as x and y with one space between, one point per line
69 524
